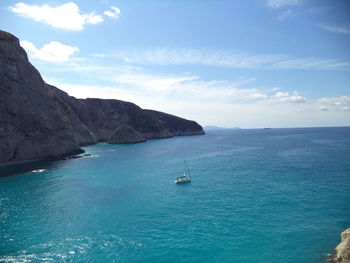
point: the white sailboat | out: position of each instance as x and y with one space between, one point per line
186 177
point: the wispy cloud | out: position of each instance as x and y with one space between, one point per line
312 64
240 102
341 103
187 88
281 3
337 29
228 59
52 52
289 97
258 96
183 87
66 16
285 15
166 56
114 12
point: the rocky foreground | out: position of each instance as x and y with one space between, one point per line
40 121
342 251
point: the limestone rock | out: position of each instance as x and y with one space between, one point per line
342 251
125 134
34 124
40 121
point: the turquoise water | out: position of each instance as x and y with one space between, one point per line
279 195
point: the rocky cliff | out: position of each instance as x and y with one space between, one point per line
40 121
342 251
34 123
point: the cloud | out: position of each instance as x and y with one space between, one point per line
215 102
323 108
341 103
258 96
66 16
275 4
137 82
337 29
289 97
167 56
227 59
113 13
186 88
214 111
285 15
311 64
52 52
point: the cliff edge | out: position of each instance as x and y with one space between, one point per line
342 251
39 121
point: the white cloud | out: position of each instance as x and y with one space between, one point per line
114 12
186 87
219 58
311 64
252 114
289 97
52 52
281 3
66 16
258 96
228 59
281 94
337 29
98 55
323 108
341 103
215 102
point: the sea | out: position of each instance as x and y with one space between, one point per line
256 196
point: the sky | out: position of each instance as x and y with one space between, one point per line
227 63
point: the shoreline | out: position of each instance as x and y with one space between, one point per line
81 151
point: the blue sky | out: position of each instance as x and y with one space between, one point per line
251 64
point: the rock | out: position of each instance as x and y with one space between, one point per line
34 123
173 125
342 251
125 134
40 121
102 116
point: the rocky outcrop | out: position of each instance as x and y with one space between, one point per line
342 251
125 134
175 126
34 123
39 121
102 117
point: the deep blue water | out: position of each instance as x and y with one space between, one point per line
279 195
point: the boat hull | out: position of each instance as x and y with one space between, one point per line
182 180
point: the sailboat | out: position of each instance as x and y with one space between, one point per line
185 178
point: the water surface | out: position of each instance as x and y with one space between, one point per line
279 195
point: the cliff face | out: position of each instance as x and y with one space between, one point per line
102 117
342 251
34 123
40 121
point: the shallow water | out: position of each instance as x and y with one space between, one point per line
279 195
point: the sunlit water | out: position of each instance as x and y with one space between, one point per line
279 195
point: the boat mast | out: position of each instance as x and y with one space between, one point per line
186 170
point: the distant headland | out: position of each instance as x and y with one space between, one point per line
39 121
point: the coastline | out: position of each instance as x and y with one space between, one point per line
341 253
81 151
